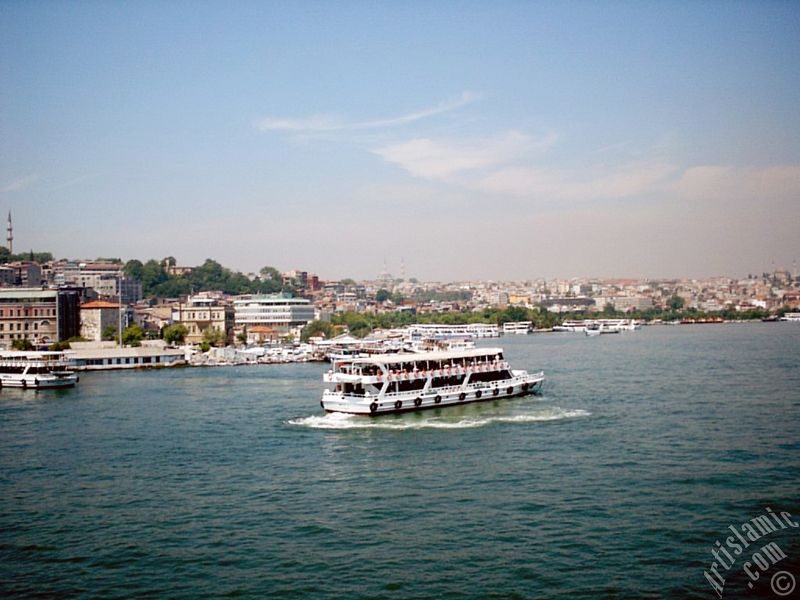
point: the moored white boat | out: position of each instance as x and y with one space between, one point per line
517 327
405 382
35 370
571 326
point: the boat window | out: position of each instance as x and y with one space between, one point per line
354 389
413 385
489 376
452 380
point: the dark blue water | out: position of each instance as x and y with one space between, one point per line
615 482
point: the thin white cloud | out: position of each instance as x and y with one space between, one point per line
328 123
570 185
20 184
758 184
440 159
71 182
611 147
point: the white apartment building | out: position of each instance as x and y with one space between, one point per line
276 311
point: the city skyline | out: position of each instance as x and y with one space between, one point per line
504 142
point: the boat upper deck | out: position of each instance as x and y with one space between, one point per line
39 359
436 356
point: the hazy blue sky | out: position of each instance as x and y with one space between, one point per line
473 139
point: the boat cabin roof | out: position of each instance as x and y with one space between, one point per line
407 357
33 355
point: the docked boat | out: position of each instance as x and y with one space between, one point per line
36 370
442 332
517 327
571 326
590 326
594 329
392 383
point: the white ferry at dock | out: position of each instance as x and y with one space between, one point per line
392 383
36 370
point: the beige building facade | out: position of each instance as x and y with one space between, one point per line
200 313
30 314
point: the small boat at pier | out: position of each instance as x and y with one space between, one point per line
36 370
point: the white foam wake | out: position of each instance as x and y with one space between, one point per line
425 421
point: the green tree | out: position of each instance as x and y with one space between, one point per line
133 335
175 334
214 337
205 346
65 344
360 329
609 311
382 295
133 268
513 313
21 344
40 257
676 302
316 329
152 275
270 282
109 333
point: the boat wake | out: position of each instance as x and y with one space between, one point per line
427 421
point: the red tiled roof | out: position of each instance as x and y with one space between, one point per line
94 304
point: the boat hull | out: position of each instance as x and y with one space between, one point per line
411 402
31 382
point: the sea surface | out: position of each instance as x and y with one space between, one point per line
615 482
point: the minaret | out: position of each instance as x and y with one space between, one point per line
10 235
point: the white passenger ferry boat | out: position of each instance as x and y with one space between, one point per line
517 327
35 370
404 382
571 326
441 332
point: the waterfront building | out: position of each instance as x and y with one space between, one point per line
261 335
40 316
202 312
95 356
280 312
96 316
